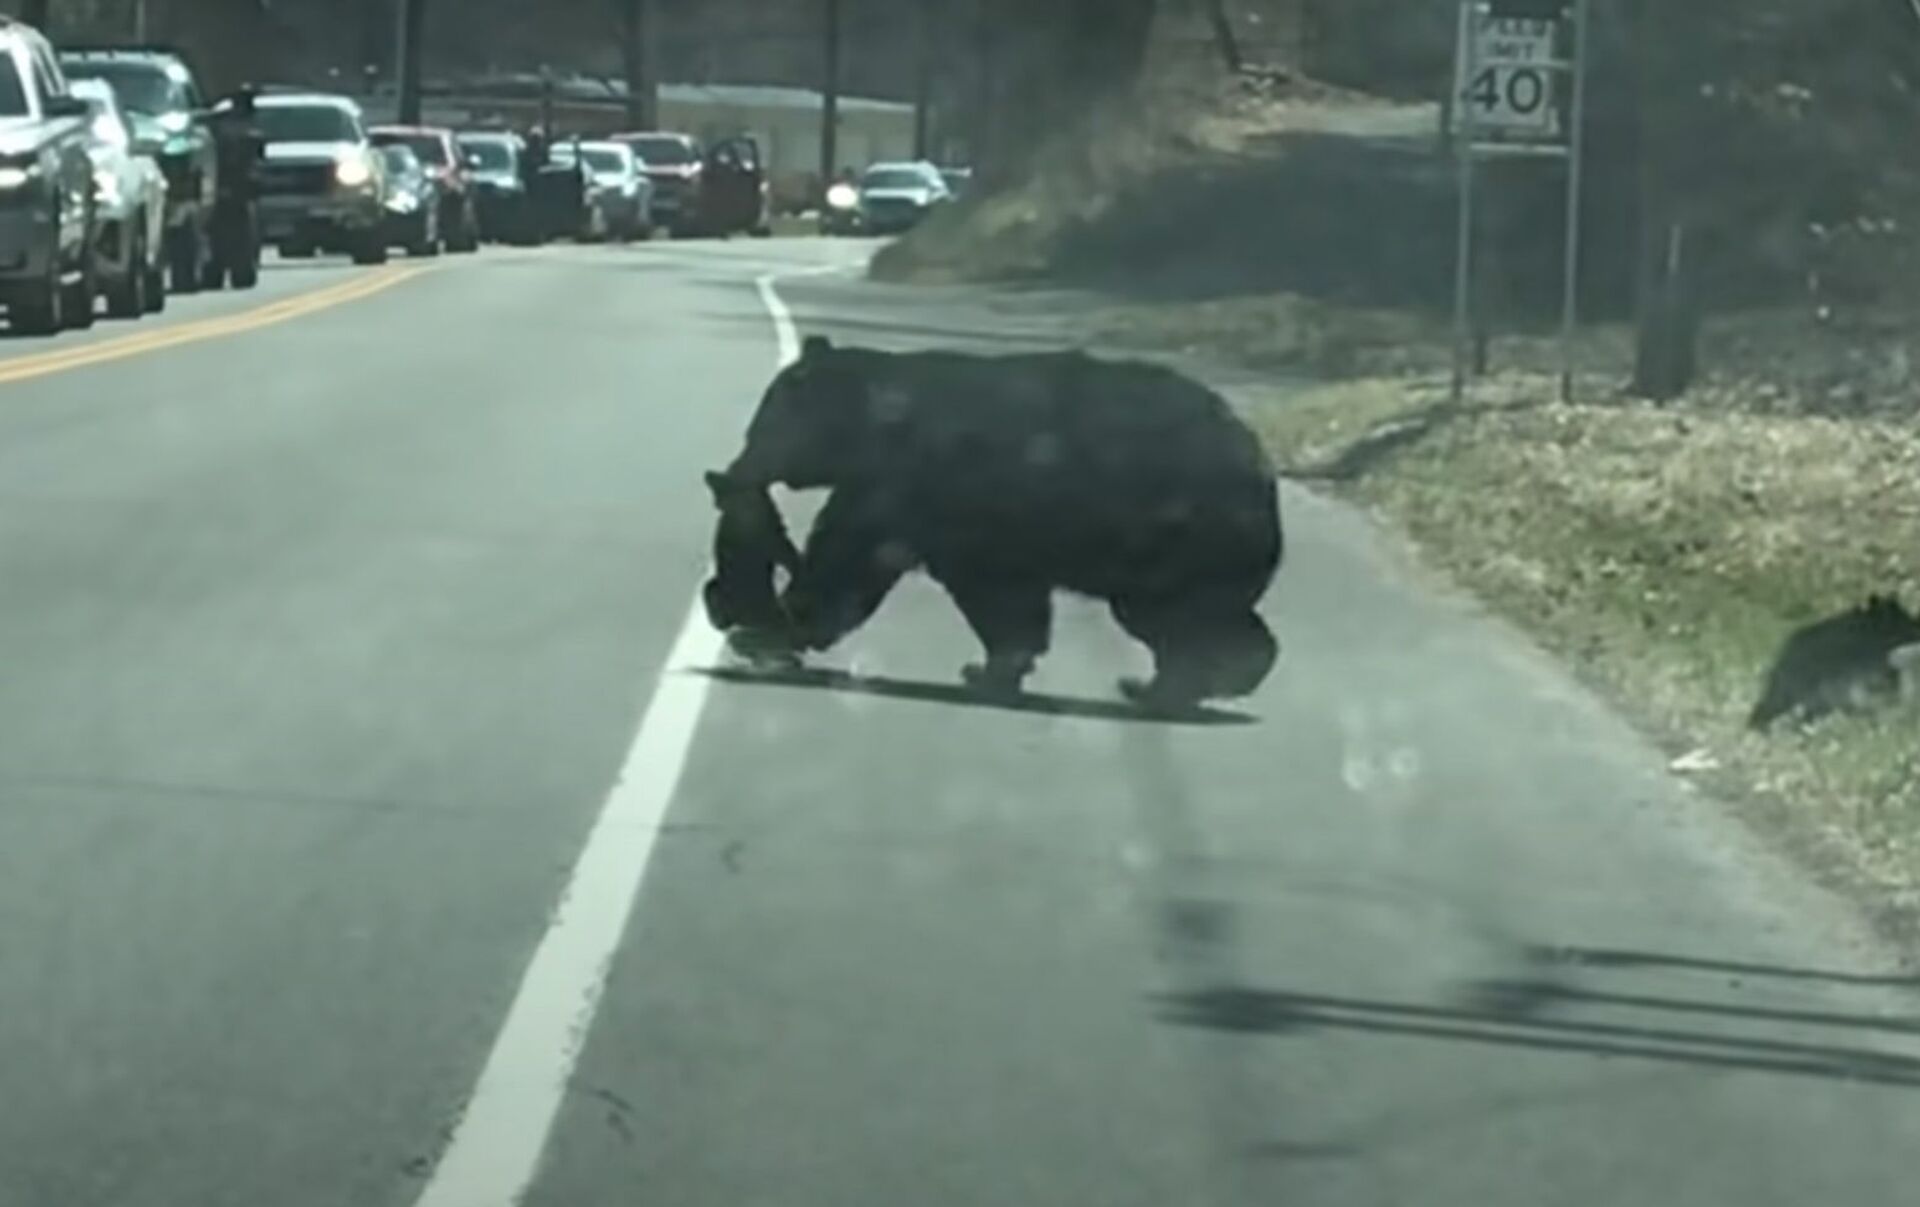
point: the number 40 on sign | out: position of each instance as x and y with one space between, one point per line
1505 84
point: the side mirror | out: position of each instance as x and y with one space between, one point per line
67 106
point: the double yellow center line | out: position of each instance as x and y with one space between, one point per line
40 364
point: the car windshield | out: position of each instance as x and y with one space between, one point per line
401 161
492 154
307 123
605 161
599 160
895 178
663 152
430 148
142 87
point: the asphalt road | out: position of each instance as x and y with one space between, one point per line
329 644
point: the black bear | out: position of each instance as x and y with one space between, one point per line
1841 663
1008 477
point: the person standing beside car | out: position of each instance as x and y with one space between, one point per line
240 145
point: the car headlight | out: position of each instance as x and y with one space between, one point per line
843 197
176 123
14 176
403 203
107 185
353 171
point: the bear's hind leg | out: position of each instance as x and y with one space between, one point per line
1013 620
1199 652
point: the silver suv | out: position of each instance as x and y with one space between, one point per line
323 186
46 189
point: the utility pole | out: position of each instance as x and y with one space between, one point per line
830 96
413 14
923 90
636 49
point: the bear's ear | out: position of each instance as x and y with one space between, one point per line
814 347
717 483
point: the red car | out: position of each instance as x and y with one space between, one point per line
441 155
718 190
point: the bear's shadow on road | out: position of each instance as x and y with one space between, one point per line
1040 703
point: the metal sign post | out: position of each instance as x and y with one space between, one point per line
1505 102
1576 162
1463 140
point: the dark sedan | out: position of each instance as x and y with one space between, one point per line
439 153
494 162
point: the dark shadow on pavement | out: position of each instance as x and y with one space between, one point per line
1601 957
1366 454
1251 1010
1528 997
820 679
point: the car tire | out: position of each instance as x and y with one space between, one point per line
41 308
370 249
246 274
127 297
156 291
78 303
185 253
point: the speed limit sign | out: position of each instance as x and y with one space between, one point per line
1504 88
1517 61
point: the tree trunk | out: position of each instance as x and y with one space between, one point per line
1665 352
922 89
412 30
636 50
830 94
1224 39
1668 324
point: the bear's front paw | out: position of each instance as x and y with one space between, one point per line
764 648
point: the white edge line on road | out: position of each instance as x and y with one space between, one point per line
495 1149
